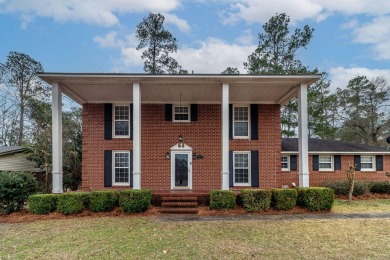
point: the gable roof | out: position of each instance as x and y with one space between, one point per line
11 149
290 145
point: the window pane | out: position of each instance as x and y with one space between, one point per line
240 129
241 113
325 166
121 127
179 117
241 176
366 159
325 159
121 113
122 175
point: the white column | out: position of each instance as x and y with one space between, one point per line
57 138
303 137
136 136
225 136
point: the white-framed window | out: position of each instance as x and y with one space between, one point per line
121 168
241 121
325 163
181 113
121 120
285 161
241 168
367 163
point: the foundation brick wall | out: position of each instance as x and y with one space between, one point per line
316 178
158 136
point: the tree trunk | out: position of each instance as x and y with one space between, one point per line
351 191
21 120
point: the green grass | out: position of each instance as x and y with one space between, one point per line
361 206
147 238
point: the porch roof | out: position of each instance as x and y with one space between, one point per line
195 88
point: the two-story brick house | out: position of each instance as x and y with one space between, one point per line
165 132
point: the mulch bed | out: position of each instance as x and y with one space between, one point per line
25 216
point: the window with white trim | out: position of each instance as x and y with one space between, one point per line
241 121
121 168
181 113
121 121
285 162
325 163
241 168
367 163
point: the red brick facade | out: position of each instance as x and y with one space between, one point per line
158 136
204 136
317 178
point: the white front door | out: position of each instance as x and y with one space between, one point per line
181 169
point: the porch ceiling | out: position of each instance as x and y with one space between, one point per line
195 88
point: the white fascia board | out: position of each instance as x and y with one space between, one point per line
339 153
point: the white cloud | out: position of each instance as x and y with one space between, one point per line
178 22
100 12
340 76
376 33
213 56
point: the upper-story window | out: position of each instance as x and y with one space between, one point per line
241 121
181 114
121 121
367 163
285 163
325 163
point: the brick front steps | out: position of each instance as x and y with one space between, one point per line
179 204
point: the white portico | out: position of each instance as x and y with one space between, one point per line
140 89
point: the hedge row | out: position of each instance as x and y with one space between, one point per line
316 198
341 187
98 201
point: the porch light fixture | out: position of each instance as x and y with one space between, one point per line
167 155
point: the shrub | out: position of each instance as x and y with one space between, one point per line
100 201
284 199
222 199
341 187
380 187
135 200
15 187
316 198
42 203
254 200
72 202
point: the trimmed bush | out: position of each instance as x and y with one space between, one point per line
222 199
316 198
132 201
382 187
72 202
15 187
341 187
254 200
42 203
284 199
100 201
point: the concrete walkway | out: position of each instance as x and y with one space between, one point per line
324 216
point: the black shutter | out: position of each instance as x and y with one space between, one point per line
254 121
131 121
108 121
357 162
131 168
316 163
194 112
337 162
230 121
168 112
231 169
293 162
255 168
107 168
379 162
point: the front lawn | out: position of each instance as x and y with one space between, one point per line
147 238
361 206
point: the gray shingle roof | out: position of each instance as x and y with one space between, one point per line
11 149
319 145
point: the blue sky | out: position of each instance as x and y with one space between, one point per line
352 37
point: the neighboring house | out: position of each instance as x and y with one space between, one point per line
175 132
328 160
13 158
